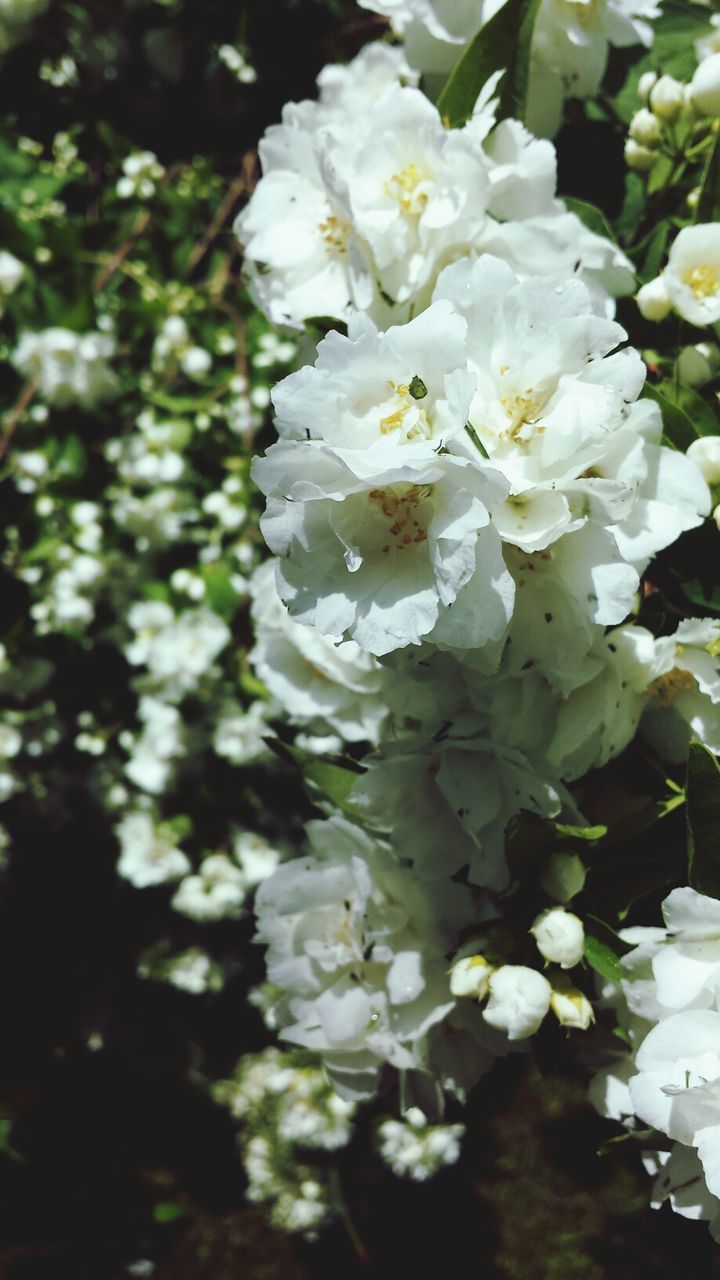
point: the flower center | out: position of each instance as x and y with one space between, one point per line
406 188
669 687
335 233
703 280
406 400
400 505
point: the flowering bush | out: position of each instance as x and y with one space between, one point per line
359 668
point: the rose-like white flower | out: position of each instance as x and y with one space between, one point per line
313 679
377 559
560 936
519 1000
705 86
216 892
685 699
692 275
357 947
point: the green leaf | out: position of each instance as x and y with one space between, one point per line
167 1211
686 415
503 44
708 205
703 820
604 949
579 833
327 779
655 252
219 591
591 217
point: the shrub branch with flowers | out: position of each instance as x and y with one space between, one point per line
430 793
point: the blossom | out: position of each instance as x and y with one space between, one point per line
692 274
216 892
470 976
418 1150
141 171
149 853
375 560
11 272
705 86
559 936
519 1000
356 946
684 700
69 368
313 679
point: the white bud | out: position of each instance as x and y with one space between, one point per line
667 98
716 516
563 876
645 128
572 1008
705 453
11 272
645 84
196 362
705 86
653 300
698 364
639 158
471 977
560 936
519 1000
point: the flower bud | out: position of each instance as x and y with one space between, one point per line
667 98
560 936
698 364
639 158
653 301
705 86
571 1007
563 876
645 128
716 516
645 84
471 977
705 453
519 1000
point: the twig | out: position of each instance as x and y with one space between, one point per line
244 182
141 224
21 404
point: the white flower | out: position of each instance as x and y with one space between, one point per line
312 678
355 944
705 453
639 157
256 858
11 272
377 559
178 651
698 364
686 696
645 128
216 892
560 936
519 1000
418 1150
153 752
653 300
141 172
692 275
705 86
149 853
69 368
240 734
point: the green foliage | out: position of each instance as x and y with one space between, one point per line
703 820
503 44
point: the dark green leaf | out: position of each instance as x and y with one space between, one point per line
708 205
591 217
503 44
703 820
